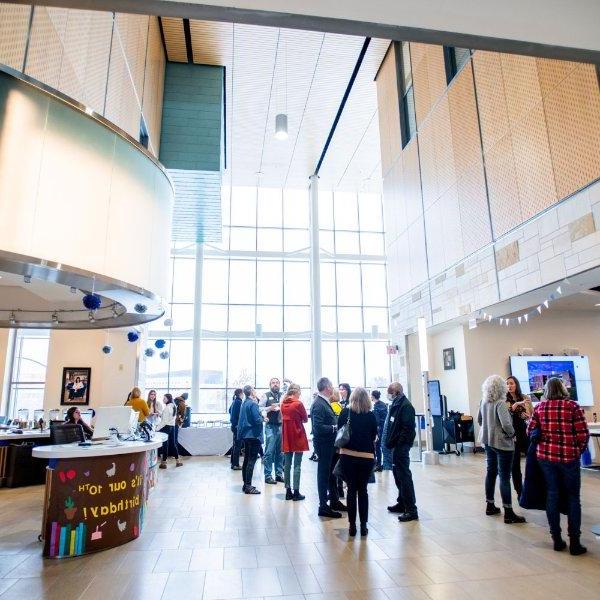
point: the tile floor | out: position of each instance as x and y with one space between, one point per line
205 539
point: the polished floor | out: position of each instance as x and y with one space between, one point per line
205 539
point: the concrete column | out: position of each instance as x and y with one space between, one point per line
196 358
315 279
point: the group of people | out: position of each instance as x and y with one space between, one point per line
351 433
554 434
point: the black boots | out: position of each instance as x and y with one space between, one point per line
297 496
510 517
396 508
491 509
363 530
575 547
352 530
288 494
559 543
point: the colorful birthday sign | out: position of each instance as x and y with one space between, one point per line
96 503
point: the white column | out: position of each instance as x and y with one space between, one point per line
430 456
315 279
194 395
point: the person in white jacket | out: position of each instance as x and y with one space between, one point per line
166 424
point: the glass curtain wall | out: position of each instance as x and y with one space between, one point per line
256 289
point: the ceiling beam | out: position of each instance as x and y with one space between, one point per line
561 30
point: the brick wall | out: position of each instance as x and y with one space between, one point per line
192 117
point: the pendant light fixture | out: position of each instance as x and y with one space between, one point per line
281 120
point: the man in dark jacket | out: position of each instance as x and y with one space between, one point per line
380 409
250 432
324 429
400 437
234 417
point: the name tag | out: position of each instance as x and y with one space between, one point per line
392 419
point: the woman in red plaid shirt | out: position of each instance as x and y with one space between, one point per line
559 426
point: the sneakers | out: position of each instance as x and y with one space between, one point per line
270 481
510 517
236 468
288 494
491 509
325 511
396 508
163 465
279 479
406 517
250 489
298 496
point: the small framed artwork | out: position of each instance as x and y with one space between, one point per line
448 359
76 386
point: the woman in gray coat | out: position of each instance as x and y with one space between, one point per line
498 437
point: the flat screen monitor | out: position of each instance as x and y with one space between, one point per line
533 372
435 398
121 418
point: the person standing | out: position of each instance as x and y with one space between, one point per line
167 425
250 432
138 404
324 429
497 435
294 440
154 407
381 411
234 417
273 457
561 429
357 457
400 435
520 408
345 390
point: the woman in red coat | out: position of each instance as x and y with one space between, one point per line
293 439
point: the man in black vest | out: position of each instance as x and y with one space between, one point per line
401 431
273 456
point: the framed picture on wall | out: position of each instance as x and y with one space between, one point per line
76 386
448 354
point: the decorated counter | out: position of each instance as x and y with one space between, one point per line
96 496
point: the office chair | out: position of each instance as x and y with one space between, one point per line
65 433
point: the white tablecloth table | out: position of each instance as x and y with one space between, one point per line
205 441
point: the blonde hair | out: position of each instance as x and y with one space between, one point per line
360 402
136 393
335 397
293 390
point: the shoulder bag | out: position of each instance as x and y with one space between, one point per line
343 435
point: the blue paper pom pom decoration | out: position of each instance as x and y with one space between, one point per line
92 301
133 336
160 344
107 349
164 355
168 322
149 352
140 308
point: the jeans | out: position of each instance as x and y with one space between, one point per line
296 457
169 447
569 474
378 451
499 462
325 478
357 471
403 478
273 453
235 449
251 449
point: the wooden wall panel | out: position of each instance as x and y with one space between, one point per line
74 56
389 111
154 85
426 137
14 23
491 100
97 62
436 71
444 152
45 44
411 181
552 72
521 85
474 216
421 89
429 77
533 165
572 112
502 186
451 226
466 142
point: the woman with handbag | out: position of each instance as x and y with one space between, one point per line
357 432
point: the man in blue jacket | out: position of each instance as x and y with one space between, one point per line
324 429
234 419
250 432
380 410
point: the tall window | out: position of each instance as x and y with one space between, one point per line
256 291
408 119
28 373
455 59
